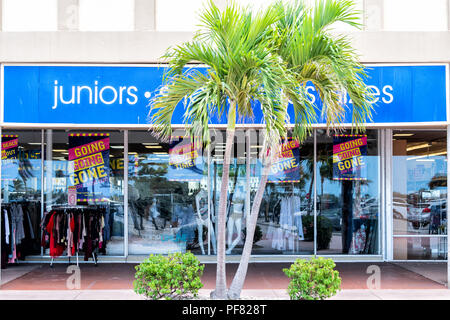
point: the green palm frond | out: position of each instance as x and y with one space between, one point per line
264 59
327 61
326 13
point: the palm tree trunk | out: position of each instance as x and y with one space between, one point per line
221 284
241 273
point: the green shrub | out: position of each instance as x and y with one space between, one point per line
257 236
313 279
176 276
324 230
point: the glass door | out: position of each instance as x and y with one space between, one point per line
419 186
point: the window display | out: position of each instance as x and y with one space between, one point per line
174 192
286 216
21 195
73 230
83 193
168 201
237 188
348 205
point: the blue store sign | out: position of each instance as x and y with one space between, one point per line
120 94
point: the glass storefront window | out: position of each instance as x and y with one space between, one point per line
167 195
237 189
419 165
286 217
82 179
21 193
174 191
348 207
420 248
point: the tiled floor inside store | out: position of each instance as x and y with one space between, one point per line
260 276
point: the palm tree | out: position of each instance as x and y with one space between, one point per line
260 60
330 64
244 71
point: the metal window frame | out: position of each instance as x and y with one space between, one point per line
125 194
382 193
315 190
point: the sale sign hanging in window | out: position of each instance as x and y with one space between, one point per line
349 157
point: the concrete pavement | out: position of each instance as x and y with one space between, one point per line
358 294
18 271
260 276
265 281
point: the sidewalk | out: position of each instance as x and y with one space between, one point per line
260 276
16 272
265 281
361 294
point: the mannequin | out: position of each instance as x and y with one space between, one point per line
235 219
153 209
154 212
201 203
133 196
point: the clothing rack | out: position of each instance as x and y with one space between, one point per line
77 207
53 259
28 226
286 194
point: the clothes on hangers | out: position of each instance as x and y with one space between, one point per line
20 230
290 224
364 237
6 238
359 240
74 229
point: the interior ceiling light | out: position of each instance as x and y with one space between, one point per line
154 147
428 155
403 134
438 153
151 144
419 146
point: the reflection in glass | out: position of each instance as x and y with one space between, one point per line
168 201
237 188
59 176
347 210
419 191
420 248
420 184
21 194
286 219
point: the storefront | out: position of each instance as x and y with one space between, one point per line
75 142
